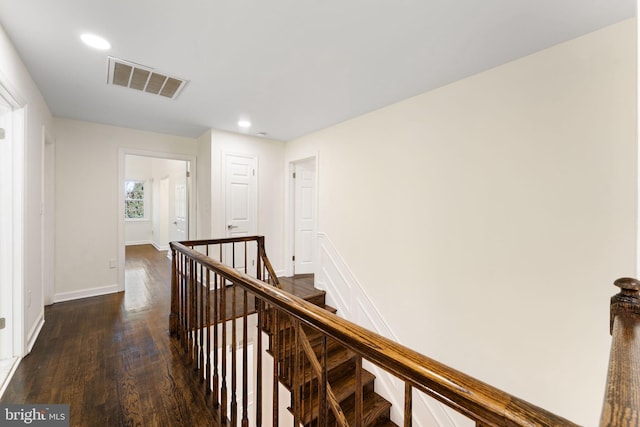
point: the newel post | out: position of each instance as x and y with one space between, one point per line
173 316
622 395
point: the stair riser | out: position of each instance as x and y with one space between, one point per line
333 374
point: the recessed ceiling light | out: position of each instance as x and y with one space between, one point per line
95 42
244 124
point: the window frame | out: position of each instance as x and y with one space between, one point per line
144 199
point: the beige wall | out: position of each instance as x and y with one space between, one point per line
487 219
204 186
87 157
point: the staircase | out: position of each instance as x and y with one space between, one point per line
318 356
340 371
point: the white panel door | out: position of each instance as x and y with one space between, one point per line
180 204
241 206
305 189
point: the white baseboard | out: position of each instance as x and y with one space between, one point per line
138 242
85 293
160 247
35 332
345 293
6 379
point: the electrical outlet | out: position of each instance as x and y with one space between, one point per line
112 263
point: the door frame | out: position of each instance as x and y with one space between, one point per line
163 212
290 213
12 269
191 196
48 219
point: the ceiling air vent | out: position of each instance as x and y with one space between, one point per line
143 78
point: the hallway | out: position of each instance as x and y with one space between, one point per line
111 359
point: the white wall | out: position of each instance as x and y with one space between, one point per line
16 78
87 190
270 187
496 212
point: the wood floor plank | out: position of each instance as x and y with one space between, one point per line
111 358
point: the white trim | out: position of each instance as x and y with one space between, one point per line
19 131
48 216
289 220
12 179
127 220
637 149
14 266
4 381
160 247
345 293
140 242
145 201
34 333
86 293
191 188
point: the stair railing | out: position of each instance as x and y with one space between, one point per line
622 394
212 305
299 367
236 252
317 370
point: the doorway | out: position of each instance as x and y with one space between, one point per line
155 202
241 205
11 226
303 205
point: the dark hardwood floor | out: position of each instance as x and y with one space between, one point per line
111 358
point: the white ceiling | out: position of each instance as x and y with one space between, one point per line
290 66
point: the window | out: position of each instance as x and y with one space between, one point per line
134 200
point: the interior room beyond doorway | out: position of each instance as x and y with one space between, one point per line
156 202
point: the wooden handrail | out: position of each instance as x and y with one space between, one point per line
622 394
481 402
240 239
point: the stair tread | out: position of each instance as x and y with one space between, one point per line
339 360
343 387
329 308
314 337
